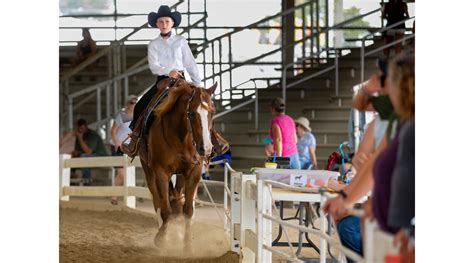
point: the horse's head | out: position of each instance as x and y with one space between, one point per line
200 112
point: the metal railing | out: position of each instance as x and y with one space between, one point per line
362 50
363 54
116 65
313 38
314 55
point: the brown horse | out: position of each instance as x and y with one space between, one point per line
178 142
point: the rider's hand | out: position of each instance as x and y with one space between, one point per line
175 74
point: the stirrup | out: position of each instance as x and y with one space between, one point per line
131 149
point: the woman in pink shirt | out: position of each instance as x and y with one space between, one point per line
283 134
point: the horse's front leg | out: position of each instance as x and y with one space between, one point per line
162 184
192 179
176 195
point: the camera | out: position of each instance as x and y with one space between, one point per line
382 65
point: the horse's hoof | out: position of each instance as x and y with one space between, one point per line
159 237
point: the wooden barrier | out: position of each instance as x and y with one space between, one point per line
129 190
252 204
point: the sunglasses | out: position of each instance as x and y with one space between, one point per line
132 102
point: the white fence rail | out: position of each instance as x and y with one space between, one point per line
129 190
254 198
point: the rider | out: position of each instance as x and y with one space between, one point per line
168 55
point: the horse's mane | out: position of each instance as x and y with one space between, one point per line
174 94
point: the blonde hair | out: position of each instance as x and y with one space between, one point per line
402 75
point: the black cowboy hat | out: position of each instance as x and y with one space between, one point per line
164 11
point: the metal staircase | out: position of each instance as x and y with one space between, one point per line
317 82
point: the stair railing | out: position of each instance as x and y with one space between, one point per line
362 50
97 88
357 125
315 55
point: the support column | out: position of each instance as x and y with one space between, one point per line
64 176
338 17
288 35
128 180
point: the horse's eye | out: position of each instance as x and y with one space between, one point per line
192 114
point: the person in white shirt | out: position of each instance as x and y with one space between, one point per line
119 132
168 56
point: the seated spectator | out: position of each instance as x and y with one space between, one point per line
399 157
119 132
88 144
373 142
85 48
392 205
306 144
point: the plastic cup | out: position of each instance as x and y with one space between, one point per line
271 165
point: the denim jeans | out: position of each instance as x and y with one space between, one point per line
87 172
294 161
349 233
305 163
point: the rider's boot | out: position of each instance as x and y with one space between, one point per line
131 148
221 146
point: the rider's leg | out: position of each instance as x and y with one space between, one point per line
137 122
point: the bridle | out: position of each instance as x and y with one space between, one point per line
188 117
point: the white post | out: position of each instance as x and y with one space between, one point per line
369 241
247 212
267 224
235 205
64 176
264 226
128 180
323 228
226 172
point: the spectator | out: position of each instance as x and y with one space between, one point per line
283 134
88 144
397 163
372 144
306 144
119 133
394 11
85 48
389 161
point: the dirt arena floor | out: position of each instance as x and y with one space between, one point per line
127 236
92 230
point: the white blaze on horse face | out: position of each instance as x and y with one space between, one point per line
206 136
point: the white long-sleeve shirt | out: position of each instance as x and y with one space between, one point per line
164 55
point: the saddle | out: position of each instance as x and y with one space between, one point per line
144 121
143 124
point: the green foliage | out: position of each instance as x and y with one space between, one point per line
353 12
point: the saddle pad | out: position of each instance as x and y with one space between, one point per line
149 116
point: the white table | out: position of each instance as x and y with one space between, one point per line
252 200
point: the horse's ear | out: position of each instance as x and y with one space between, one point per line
212 88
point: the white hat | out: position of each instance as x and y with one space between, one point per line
303 122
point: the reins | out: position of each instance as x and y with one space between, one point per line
191 126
